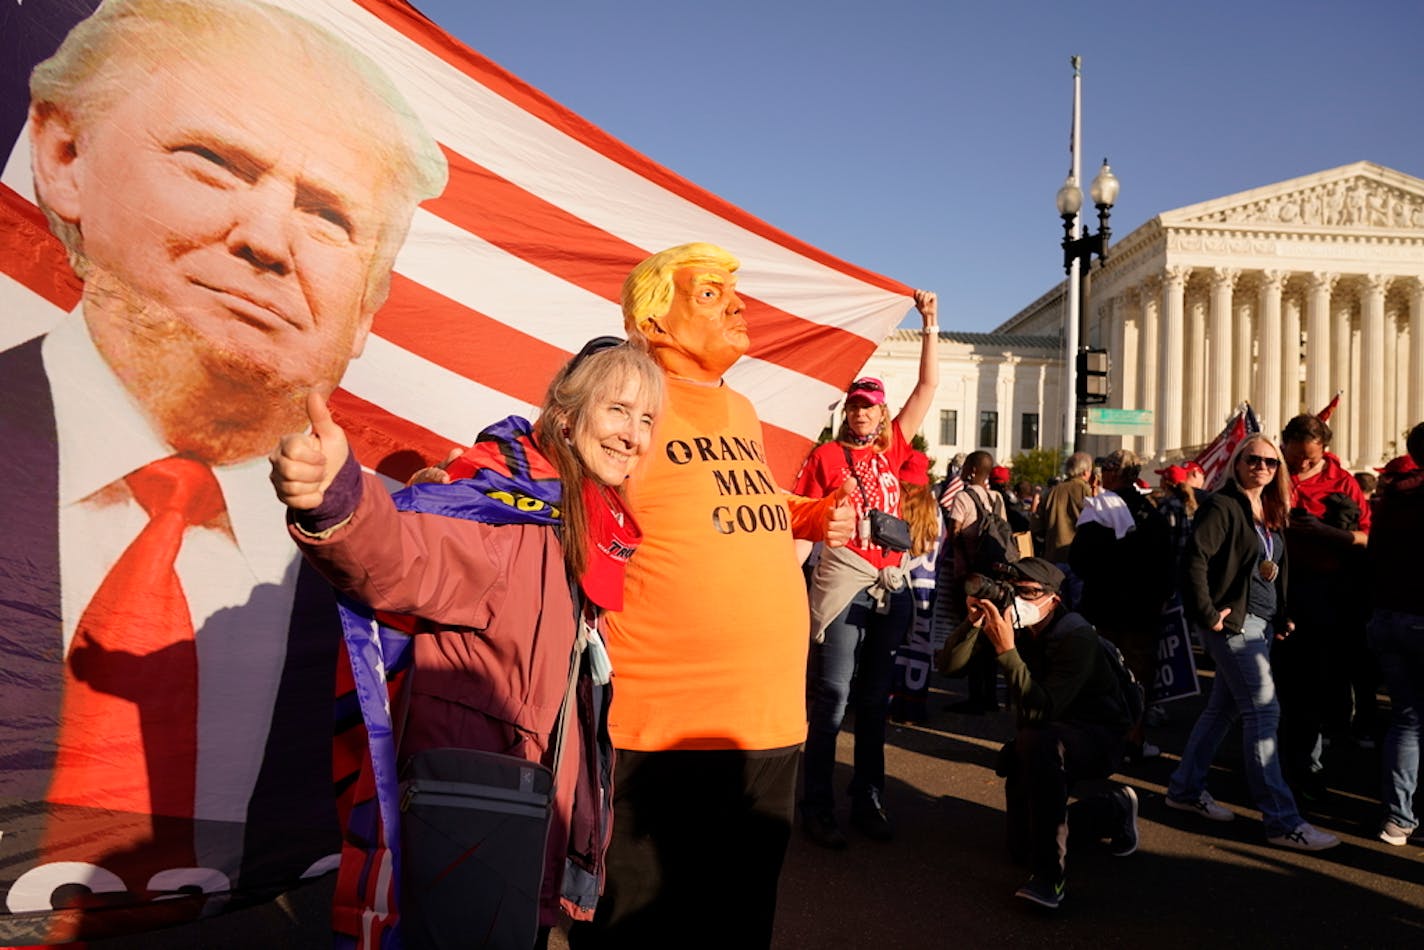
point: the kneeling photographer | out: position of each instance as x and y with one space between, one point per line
1073 714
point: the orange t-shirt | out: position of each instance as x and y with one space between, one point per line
709 651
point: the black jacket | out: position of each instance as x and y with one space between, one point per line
1221 555
1127 580
1061 675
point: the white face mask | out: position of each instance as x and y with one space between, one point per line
1026 613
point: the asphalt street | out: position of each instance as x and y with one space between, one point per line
946 880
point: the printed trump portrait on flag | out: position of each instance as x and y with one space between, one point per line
211 208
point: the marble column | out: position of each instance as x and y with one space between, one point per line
1194 374
1268 367
1244 324
1113 314
1372 343
1169 393
1219 372
1341 366
1318 383
1007 382
1290 357
1349 449
969 413
1415 366
1129 314
1392 359
1150 297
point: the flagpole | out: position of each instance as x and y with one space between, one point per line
1070 289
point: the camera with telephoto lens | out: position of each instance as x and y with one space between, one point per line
982 587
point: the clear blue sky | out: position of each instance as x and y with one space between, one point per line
926 140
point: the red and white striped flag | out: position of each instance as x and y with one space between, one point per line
952 487
517 264
1216 456
503 276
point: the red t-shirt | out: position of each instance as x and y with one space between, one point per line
879 477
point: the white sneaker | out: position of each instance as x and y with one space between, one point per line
1306 837
1204 805
1394 834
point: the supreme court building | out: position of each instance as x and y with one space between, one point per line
1280 296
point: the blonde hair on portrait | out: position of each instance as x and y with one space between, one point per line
1275 494
106 54
648 290
574 392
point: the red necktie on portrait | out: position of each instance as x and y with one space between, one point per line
128 733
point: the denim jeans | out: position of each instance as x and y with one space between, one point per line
859 644
1242 689
1398 640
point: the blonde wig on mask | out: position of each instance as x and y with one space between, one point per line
649 288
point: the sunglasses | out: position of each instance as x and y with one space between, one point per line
597 345
868 385
1261 461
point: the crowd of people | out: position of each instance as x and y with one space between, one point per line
1060 593
576 604
1298 586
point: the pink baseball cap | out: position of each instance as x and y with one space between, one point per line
868 388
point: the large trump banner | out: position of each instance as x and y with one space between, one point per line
210 208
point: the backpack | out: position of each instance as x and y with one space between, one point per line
1134 697
996 544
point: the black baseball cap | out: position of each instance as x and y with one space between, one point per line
1039 571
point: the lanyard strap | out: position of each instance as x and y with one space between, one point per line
1267 541
850 464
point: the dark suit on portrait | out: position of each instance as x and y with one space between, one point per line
291 819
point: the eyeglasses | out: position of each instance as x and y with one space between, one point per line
1030 593
1261 461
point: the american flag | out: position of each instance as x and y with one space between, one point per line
501 279
517 264
1215 457
952 487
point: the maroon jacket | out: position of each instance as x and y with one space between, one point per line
493 673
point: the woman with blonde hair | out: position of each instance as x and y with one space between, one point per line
489 592
1234 592
861 606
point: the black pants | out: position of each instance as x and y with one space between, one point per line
1311 679
1047 760
698 842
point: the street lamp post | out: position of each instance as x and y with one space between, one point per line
1078 253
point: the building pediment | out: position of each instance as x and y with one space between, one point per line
1359 197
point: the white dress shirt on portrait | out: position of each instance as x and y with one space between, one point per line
238 574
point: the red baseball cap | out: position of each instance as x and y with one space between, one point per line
1193 466
1000 474
868 388
1173 474
915 469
